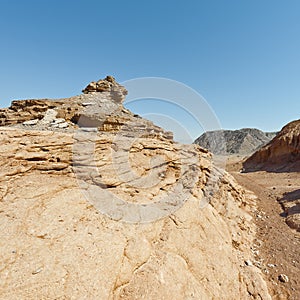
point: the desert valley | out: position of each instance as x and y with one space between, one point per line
99 203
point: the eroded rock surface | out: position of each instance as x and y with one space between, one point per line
282 154
108 84
56 242
290 202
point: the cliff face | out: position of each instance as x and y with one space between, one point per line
60 242
281 154
243 141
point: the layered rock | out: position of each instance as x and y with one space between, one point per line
108 84
243 141
94 109
60 242
282 154
290 202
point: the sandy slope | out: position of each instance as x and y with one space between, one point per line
279 252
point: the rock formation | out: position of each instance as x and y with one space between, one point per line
108 84
243 142
282 154
290 203
57 243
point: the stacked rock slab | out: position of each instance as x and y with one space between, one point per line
99 108
55 243
108 84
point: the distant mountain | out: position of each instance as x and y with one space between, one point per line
243 141
282 154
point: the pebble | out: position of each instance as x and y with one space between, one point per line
31 122
283 278
257 264
255 252
271 265
39 270
58 121
248 263
63 125
88 129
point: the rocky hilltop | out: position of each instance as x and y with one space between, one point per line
98 203
243 141
99 107
281 154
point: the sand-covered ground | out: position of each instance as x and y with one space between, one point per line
278 245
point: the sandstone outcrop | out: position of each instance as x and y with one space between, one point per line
290 203
282 154
108 84
243 141
59 242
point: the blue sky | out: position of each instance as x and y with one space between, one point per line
243 57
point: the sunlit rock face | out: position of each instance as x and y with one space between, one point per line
57 241
282 154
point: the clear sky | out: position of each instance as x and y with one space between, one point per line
242 56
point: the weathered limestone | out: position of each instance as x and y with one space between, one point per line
58 243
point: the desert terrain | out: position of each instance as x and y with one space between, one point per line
150 150
277 245
99 203
268 166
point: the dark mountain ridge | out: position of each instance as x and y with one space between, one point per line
243 141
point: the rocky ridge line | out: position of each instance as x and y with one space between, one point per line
243 141
282 154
